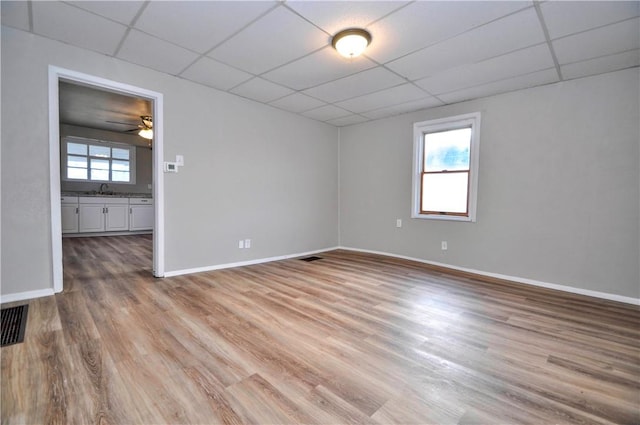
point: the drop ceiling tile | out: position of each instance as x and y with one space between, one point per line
601 65
506 66
416 105
348 120
277 38
421 24
124 12
69 24
154 53
334 16
520 82
215 74
199 25
569 17
326 113
475 45
317 68
261 90
15 14
356 85
297 102
391 96
603 41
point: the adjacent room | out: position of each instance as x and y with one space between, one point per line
320 212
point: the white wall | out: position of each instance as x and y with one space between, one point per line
558 196
251 171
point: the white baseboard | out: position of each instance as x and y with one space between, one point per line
245 263
571 289
28 295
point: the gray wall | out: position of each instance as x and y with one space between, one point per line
251 171
558 192
144 160
558 187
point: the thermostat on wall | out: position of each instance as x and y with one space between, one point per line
170 167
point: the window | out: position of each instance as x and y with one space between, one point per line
445 177
95 160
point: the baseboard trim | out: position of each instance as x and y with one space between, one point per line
244 263
28 295
526 281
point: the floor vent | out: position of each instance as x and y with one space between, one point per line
14 323
312 258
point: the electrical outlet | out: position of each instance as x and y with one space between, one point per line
444 245
241 244
247 243
399 222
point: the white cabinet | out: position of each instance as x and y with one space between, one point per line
103 214
91 218
69 214
141 214
116 217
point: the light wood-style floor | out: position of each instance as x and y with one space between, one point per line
351 338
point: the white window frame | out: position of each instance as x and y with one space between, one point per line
444 124
102 143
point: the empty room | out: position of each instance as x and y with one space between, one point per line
320 212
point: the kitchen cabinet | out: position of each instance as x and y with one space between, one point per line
103 214
141 214
69 214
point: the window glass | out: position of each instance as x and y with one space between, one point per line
445 192
447 150
98 161
77 148
100 151
120 153
77 161
120 176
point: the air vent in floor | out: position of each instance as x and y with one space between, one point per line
14 323
312 258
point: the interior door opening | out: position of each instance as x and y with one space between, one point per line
105 141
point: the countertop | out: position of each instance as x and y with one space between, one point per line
94 193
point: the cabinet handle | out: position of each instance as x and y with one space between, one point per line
76 210
130 210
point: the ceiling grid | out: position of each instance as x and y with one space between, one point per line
422 54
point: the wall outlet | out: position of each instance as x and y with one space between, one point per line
399 222
247 243
443 245
241 244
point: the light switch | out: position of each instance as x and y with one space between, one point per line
180 160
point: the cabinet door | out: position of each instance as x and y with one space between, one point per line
70 218
91 218
117 217
141 217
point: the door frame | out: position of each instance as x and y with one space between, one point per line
55 75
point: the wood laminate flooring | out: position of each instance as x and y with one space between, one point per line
352 338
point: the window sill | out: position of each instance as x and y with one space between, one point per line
443 217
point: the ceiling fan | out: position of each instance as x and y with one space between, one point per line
144 129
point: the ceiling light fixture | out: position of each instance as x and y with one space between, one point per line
147 133
146 127
351 42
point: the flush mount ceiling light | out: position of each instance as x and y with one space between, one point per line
351 42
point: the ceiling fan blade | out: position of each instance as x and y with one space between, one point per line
123 123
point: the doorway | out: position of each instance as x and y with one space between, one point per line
59 75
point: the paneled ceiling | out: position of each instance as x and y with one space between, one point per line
423 53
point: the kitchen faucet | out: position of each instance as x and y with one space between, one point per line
102 187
